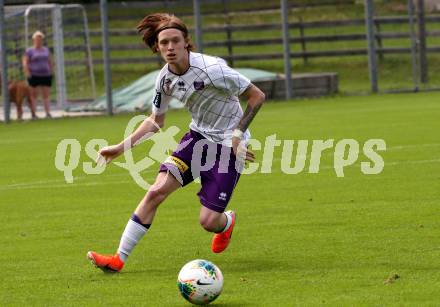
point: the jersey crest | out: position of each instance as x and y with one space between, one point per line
199 85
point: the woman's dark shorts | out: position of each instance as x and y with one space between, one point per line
35 81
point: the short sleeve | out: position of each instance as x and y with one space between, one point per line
28 52
160 100
230 80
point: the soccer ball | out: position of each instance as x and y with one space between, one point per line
200 281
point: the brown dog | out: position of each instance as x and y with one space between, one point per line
18 91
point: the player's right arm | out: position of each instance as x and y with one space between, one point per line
148 127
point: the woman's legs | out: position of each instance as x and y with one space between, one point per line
33 100
45 90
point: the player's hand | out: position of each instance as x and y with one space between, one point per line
241 151
109 153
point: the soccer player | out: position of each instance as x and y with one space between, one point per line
209 88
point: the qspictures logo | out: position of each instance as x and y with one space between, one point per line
344 152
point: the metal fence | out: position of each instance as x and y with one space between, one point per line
371 45
405 42
229 42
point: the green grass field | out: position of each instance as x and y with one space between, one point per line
300 240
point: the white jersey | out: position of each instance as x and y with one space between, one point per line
210 90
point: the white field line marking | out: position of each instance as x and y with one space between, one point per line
49 183
393 163
327 167
325 153
412 162
15 141
412 146
61 184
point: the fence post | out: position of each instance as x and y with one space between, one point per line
422 41
379 39
57 26
106 55
88 51
227 16
197 25
372 57
303 42
415 71
4 64
286 44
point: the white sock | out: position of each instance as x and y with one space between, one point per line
132 234
228 220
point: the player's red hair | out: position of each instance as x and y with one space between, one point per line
151 25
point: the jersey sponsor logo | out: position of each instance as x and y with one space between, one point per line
181 85
182 166
199 85
157 100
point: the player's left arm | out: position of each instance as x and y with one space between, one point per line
255 98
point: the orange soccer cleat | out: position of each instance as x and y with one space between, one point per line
220 241
110 263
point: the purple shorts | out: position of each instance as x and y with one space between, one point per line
213 163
